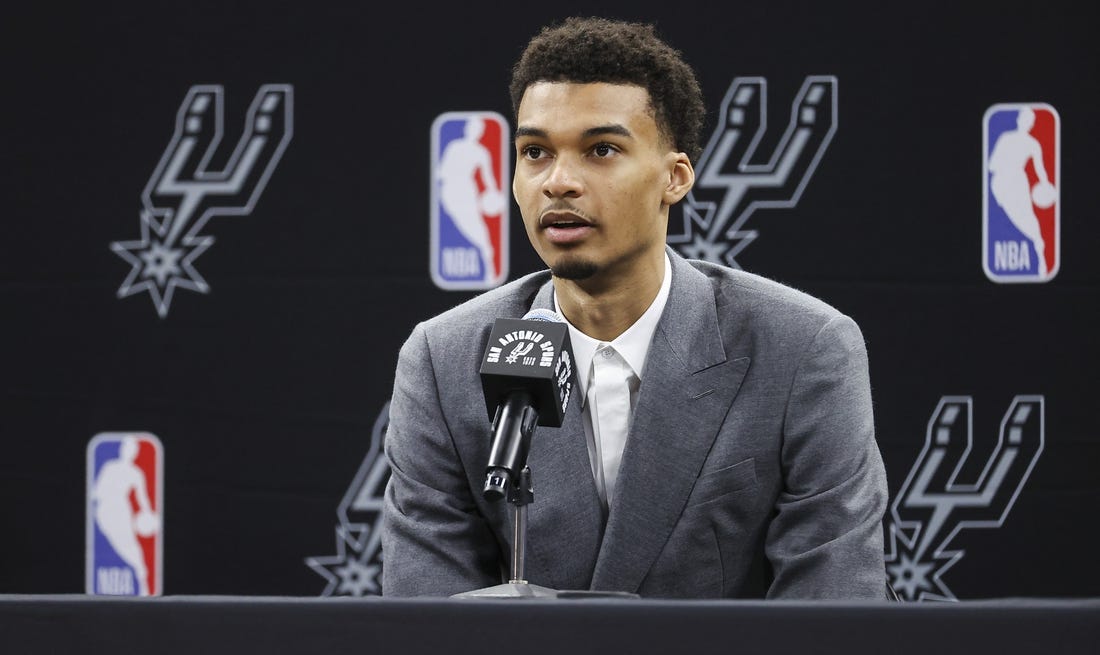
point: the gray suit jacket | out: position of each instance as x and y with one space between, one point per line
750 469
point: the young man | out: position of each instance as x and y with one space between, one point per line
720 442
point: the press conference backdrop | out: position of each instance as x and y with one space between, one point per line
223 219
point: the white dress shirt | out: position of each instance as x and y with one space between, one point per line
609 375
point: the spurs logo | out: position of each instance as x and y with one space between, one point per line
934 504
182 194
356 567
521 349
732 185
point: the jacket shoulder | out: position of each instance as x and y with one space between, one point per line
756 299
734 285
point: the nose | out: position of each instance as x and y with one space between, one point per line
562 180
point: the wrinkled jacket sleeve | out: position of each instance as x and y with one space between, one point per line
826 538
434 540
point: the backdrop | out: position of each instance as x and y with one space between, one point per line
225 218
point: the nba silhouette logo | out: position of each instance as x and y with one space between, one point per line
125 509
1021 222
469 185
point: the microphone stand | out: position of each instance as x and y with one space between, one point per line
520 496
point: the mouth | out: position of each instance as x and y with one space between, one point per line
563 228
563 220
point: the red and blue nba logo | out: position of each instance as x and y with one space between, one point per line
125 509
470 200
1021 223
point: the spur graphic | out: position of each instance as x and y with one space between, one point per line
934 504
182 194
356 568
732 183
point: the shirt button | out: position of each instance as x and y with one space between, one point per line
607 352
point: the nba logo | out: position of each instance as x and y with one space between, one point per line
469 200
125 509
1021 223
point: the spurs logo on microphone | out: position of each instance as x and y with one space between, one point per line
735 179
521 349
356 567
527 340
945 492
564 370
183 193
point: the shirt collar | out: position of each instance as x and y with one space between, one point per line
632 344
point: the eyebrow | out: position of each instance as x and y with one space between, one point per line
599 130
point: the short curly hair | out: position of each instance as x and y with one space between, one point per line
595 49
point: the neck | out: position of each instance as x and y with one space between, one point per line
605 306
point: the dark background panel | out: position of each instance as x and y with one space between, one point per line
265 390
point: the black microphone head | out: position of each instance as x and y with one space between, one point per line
529 354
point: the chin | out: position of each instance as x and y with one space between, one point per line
574 268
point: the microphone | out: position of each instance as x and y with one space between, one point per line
527 378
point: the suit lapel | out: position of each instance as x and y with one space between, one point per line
687 389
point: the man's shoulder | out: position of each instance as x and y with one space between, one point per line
758 296
764 315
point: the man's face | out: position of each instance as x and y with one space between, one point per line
594 179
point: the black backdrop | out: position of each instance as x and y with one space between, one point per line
266 390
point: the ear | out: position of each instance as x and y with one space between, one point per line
681 178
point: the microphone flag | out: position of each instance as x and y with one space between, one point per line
531 355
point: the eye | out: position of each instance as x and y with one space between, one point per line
603 150
531 152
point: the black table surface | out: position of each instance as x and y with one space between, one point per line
209 625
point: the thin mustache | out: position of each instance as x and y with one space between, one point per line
561 206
